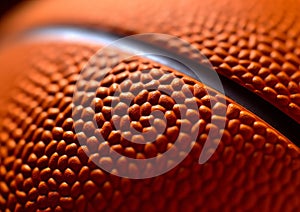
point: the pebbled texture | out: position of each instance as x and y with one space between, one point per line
256 43
43 167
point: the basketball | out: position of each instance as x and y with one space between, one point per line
150 106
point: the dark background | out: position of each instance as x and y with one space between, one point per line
6 5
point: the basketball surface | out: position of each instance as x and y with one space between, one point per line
227 140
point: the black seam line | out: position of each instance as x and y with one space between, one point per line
251 101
